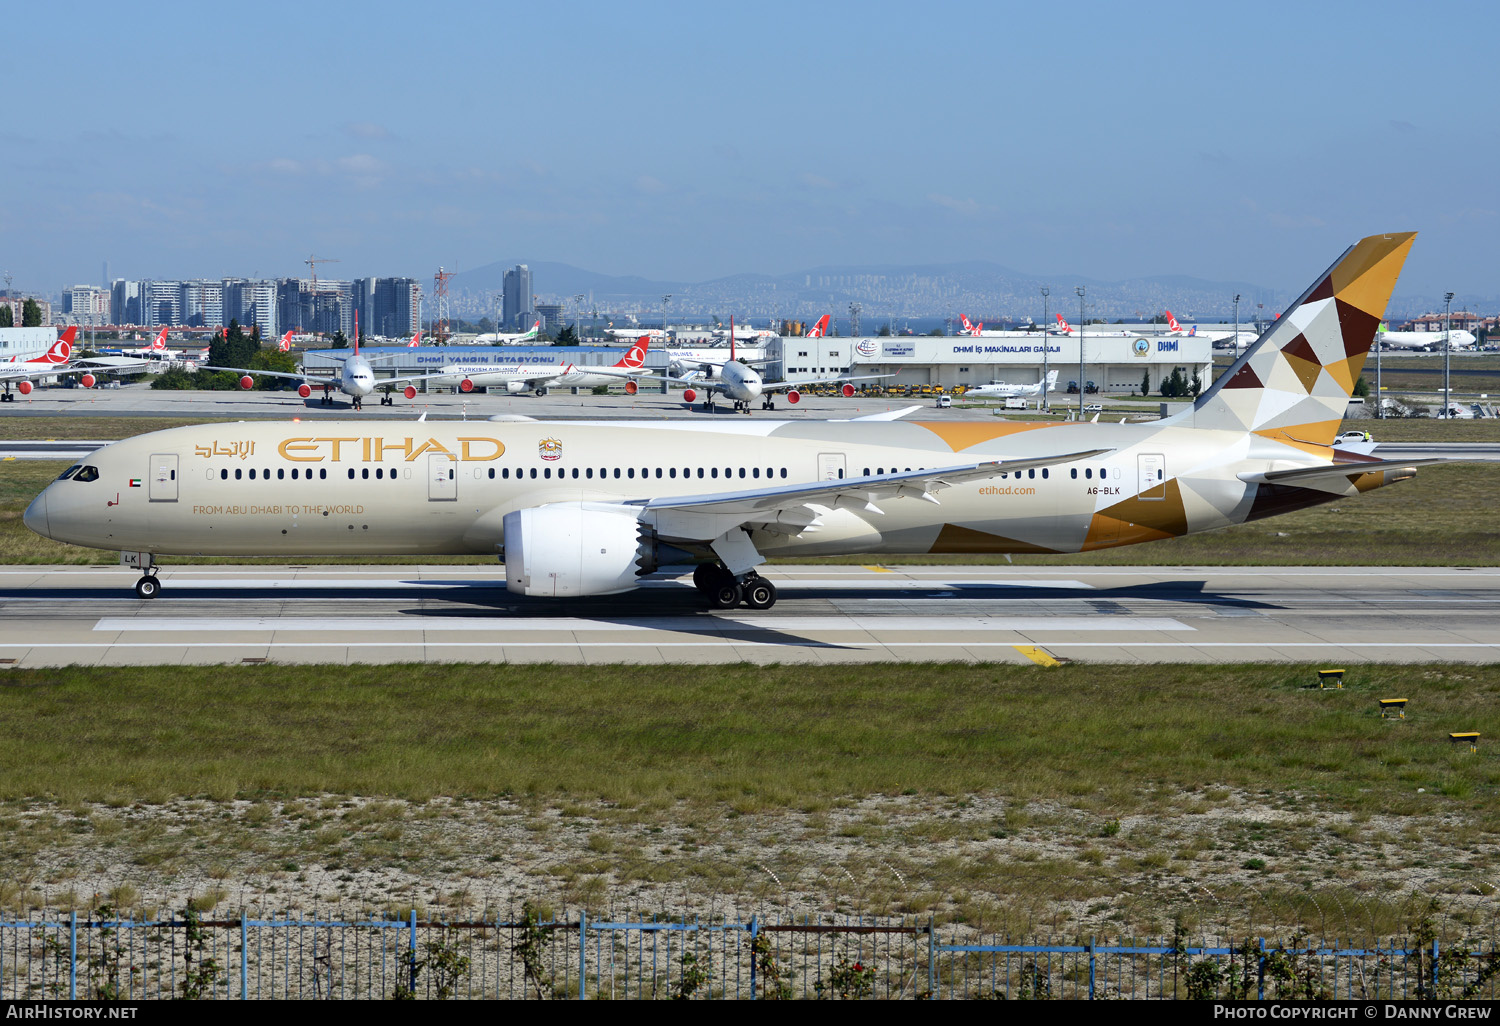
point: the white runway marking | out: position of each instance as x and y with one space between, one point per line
675 623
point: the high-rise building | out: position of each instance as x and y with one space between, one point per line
88 304
393 309
203 304
252 303
127 302
519 309
163 302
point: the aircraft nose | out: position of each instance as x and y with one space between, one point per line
35 516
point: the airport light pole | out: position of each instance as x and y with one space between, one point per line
664 301
577 315
1379 388
1082 384
1447 349
1236 326
1046 347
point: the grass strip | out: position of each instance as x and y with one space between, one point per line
753 737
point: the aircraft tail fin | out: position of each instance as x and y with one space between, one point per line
1172 324
819 329
634 359
1294 382
1064 325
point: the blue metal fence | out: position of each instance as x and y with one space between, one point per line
537 954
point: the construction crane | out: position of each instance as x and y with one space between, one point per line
440 293
313 262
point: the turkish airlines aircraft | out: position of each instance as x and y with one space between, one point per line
56 362
355 378
820 329
1000 390
580 508
517 377
970 329
157 349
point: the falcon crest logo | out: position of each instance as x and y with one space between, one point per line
550 449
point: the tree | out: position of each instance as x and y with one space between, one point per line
566 337
232 349
1196 386
31 314
339 340
885 330
1146 381
1362 387
7 316
935 331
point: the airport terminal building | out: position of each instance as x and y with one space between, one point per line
1115 361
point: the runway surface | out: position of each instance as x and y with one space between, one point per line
52 616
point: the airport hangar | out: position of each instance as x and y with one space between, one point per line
1116 361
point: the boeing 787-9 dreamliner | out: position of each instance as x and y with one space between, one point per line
578 508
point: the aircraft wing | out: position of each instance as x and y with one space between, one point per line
702 517
782 386
260 373
1335 471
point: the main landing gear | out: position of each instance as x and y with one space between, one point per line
724 591
768 404
387 399
742 407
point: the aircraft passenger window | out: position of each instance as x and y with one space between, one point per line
379 472
505 473
322 473
87 474
617 473
742 472
867 472
252 473
223 475
492 473
672 472
575 473
700 471
351 473
658 472
280 473
75 468
630 473
294 473
1158 475
450 473
713 471
364 472
1088 472
588 472
1075 471
1044 472
237 473
880 470
783 472
1031 473
174 475
755 472
841 473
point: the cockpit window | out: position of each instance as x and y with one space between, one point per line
69 472
87 474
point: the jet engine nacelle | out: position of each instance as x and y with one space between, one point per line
247 382
793 396
466 385
565 550
24 388
631 388
689 396
87 381
410 391
304 390
516 387
848 391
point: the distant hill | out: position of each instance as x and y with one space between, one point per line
981 289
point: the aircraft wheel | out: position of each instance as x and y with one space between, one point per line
760 594
726 596
705 576
147 587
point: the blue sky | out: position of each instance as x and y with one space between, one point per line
688 140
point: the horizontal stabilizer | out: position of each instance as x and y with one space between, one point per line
1308 475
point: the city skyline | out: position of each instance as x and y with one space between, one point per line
1082 140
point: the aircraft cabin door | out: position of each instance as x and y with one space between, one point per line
442 477
162 477
1152 485
831 466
